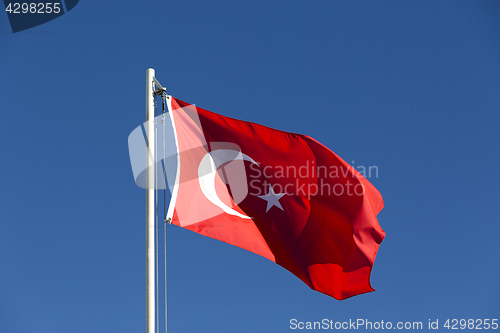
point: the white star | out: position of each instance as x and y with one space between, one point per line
272 199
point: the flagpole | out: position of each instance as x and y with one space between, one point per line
150 204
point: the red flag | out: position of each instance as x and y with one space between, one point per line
281 195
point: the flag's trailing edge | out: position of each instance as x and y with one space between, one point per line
281 195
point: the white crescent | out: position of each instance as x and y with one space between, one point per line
207 171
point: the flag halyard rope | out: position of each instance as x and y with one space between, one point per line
156 213
164 210
160 91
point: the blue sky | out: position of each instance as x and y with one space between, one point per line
408 86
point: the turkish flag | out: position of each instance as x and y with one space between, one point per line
281 195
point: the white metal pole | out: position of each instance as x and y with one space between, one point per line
150 204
